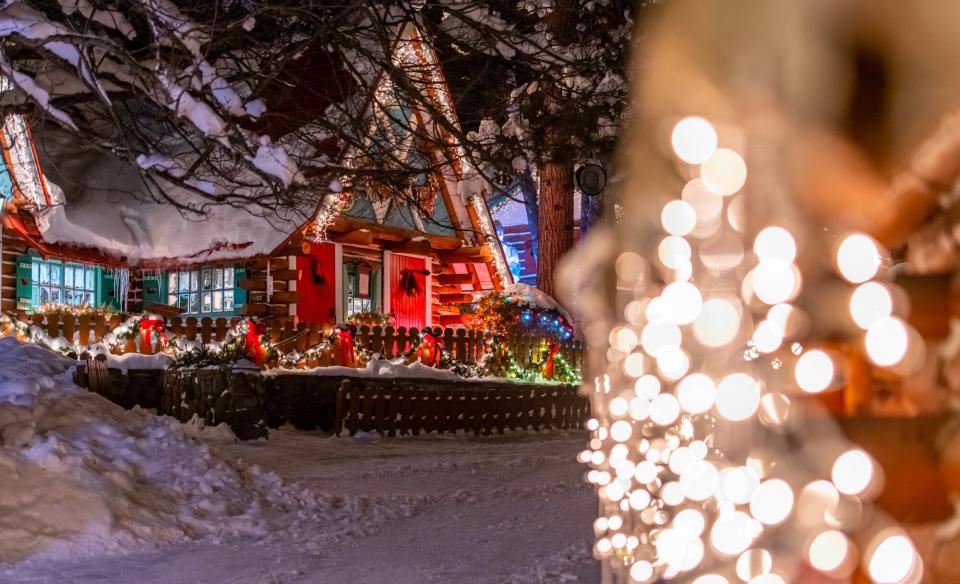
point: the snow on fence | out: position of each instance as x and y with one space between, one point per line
491 408
466 346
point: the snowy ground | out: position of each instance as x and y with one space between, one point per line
510 509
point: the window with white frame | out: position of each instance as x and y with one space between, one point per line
202 291
56 282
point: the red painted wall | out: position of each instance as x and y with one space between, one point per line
409 309
317 280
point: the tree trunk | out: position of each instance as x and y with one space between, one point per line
556 220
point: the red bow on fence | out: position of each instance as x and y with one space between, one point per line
429 351
345 351
254 331
147 325
548 365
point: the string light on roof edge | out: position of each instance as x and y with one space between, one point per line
687 490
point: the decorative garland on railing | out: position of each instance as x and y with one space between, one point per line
248 340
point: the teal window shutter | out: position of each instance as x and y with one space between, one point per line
24 282
107 290
239 294
154 288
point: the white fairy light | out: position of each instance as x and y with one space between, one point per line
738 396
852 472
858 258
775 243
724 172
892 560
828 550
694 140
887 341
678 218
869 303
771 502
674 251
696 393
707 205
717 323
774 281
814 371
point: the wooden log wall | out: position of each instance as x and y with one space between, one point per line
480 408
12 247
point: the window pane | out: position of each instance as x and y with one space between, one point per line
194 281
35 268
91 280
207 302
194 302
228 300
44 273
184 281
68 276
217 301
184 302
228 278
55 274
54 294
207 279
172 299
88 298
218 278
172 283
68 297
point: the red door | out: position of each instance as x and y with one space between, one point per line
408 290
317 284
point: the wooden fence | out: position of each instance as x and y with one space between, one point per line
466 346
484 408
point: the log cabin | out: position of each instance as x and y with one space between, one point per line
77 230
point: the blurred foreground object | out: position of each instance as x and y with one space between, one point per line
760 283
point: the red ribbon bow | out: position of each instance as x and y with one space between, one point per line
429 352
147 325
254 331
346 352
548 366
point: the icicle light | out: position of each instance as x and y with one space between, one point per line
693 484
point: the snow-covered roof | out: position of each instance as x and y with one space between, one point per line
100 201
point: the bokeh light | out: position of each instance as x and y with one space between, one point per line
886 341
814 371
738 396
694 140
775 243
858 258
869 303
678 218
724 172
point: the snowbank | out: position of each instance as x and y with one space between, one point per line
79 475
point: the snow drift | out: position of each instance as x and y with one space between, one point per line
79 475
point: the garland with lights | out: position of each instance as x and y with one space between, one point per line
371 319
248 340
515 315
106 311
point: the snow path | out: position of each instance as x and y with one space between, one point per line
510 510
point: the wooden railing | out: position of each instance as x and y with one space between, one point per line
465 346
480 408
